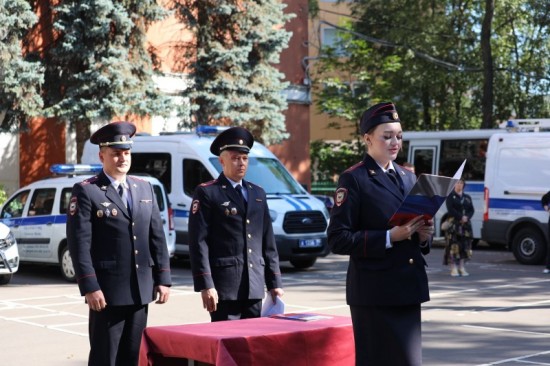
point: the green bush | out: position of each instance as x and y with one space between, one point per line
3 195
329 160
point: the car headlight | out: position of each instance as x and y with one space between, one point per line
273 215
8 241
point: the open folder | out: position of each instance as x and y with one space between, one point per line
426 197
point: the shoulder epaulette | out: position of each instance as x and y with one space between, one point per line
89 180
353 167
137 178
206 184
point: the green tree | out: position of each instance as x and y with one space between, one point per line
20 77
231 58
98 67
464 64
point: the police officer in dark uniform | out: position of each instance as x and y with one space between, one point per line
231 242
118 248
386 279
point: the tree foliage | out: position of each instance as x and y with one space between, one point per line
231 61
20 77
441 79
446 64
98 67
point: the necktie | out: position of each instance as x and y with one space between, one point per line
238 188
393 176
123 193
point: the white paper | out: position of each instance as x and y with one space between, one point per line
272 308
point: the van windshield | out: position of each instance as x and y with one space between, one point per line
269 174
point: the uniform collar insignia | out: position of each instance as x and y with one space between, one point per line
105 204
225 204
372 172
103 188
134 185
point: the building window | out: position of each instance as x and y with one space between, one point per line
331 38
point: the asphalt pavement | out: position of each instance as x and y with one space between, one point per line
499 315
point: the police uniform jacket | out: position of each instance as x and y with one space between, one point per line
232 248
365 200
120 253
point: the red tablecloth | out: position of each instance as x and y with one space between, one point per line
248 342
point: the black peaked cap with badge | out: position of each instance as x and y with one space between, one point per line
116 135
234 138
377 114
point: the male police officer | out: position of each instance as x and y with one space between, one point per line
118 248
231 241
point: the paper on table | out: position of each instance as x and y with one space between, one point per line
426 197
272 308
304 317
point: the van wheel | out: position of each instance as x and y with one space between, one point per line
528 246
67 268
5 279
303 263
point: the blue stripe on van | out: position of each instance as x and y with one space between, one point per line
181 213
474 187
36 220
298 201
514 204
292 202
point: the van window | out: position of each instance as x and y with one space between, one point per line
453 153
158 165
270 174
160 197
42 202
66 194
14 208
194 173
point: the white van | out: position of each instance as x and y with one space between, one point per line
9 255
517 174
181 161
37 216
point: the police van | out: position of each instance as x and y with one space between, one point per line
37 216
9 255
181 161
517 174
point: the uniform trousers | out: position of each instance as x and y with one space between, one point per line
387 335
237 309
115 335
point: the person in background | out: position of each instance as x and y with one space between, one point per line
545 201
386 279
231 242
118 248
458 233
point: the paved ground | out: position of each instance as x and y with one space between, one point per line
499 315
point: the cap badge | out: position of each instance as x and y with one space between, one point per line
241 142
123 137
395 115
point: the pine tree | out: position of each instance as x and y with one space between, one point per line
20 78
98 68
235 46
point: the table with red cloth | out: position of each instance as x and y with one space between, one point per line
248 342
